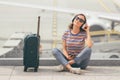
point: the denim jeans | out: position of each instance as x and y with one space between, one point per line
81 60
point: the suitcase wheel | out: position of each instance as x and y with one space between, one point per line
25 69
35 69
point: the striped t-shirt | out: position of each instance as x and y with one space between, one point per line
74 42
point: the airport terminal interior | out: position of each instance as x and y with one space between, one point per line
19 18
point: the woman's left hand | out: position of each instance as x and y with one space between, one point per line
86 28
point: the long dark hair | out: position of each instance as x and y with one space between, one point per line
71 25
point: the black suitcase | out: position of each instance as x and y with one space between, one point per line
31 50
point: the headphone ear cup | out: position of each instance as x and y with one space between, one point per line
82 27
73 19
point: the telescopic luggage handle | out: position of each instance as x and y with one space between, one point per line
38 26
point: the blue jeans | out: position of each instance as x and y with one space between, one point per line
81 60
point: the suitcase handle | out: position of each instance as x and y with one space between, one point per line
38 28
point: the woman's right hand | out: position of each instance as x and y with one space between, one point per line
69 57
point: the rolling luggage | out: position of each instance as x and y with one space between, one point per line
31 50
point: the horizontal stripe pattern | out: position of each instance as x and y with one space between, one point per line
74 42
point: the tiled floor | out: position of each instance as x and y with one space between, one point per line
49 73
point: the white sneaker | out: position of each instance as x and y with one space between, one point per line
60 68
75 70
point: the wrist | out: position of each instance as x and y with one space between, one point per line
87 31
67 56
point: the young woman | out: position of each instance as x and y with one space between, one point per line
77 45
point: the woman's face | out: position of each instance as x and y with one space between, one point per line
78 21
